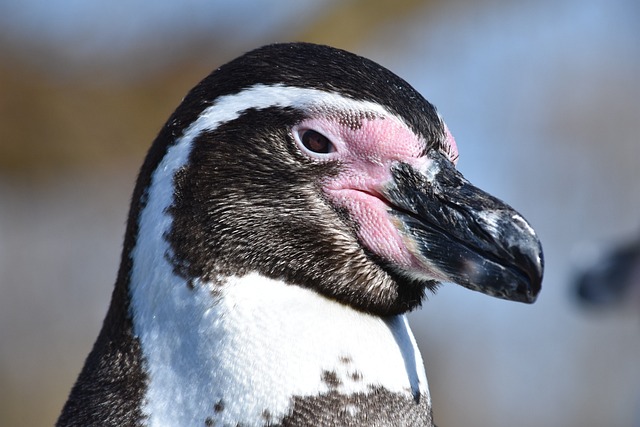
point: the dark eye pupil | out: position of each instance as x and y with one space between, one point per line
316 142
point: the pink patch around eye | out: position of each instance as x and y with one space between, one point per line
376 229
373 139
385 139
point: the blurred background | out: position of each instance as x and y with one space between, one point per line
543 98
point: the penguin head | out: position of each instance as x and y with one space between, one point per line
318 167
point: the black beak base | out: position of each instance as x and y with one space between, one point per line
463 235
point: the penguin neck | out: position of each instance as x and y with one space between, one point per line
242 347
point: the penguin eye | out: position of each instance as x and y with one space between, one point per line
316 142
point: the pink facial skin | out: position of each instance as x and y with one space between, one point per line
366 154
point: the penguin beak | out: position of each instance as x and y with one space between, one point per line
458 233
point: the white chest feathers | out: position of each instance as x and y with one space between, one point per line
238 351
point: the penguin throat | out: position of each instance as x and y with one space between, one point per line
230 352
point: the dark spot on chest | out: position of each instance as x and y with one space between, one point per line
330 378
345 360
356 376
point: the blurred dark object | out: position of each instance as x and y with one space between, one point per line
613 280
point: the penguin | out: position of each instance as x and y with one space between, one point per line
294 207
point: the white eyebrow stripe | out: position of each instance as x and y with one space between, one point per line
261 96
